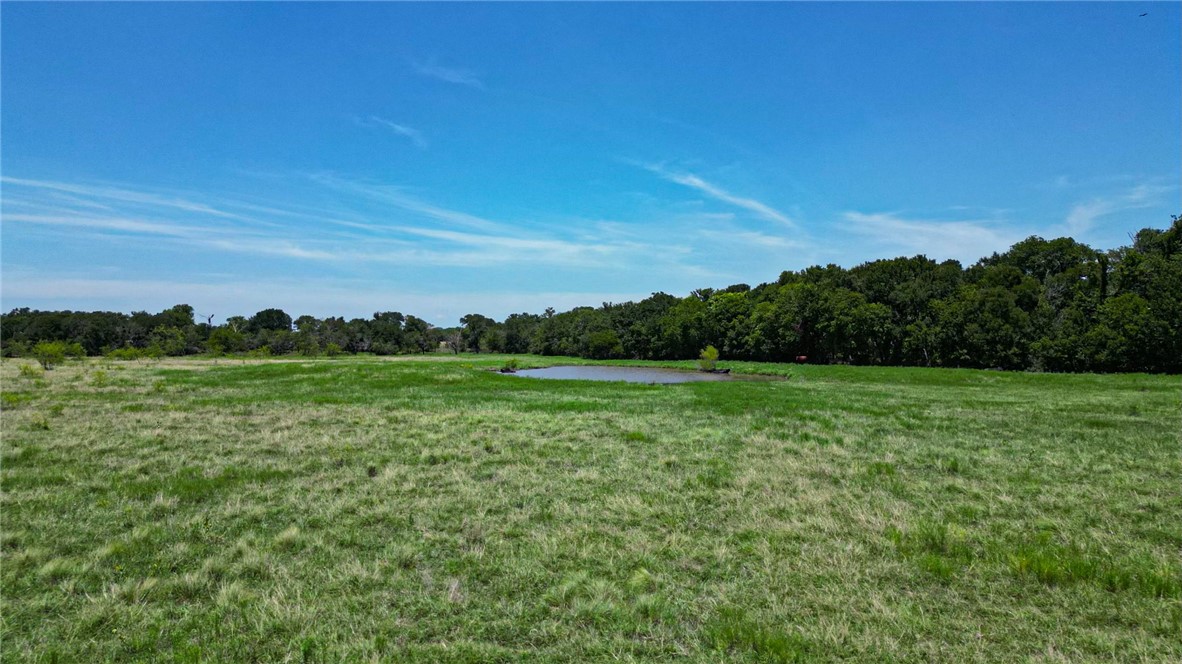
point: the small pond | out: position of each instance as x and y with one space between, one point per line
650 375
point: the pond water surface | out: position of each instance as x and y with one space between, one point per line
650 375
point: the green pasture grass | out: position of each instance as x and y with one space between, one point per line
430 509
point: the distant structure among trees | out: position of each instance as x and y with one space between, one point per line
1047 305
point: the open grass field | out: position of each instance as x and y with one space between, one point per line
422 509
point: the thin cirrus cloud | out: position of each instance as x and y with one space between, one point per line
122 230
1082 217
414 135
397 228
963 240
692 181
330 232
569 253
449 75
754 240
103 196
495 241
107 224
397 197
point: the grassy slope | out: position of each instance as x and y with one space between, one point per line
357 510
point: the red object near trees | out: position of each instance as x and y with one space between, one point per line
802 358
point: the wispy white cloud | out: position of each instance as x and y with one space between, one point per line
564 252
190 235
411 133
963 240
327 231
1083 216
449 74
692 181
394 229
104 195
753 240
281 248
108 224
398 198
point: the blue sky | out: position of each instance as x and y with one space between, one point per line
443 159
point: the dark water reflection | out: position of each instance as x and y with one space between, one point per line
649 375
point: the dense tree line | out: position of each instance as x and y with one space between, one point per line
174 332
1053 305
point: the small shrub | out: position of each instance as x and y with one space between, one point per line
510 365
15 349
168 340
332 349
708 359
49 353
127 353
31 371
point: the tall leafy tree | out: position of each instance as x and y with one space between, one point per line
269 319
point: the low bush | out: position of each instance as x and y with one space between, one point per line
49 353
708 359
